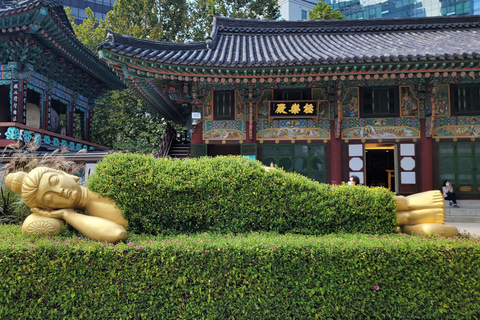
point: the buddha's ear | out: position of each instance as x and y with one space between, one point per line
72 177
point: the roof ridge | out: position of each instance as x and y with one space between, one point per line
221 24
114 38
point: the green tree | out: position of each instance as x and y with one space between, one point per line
121 121
161 20
91 32
323 11
202 12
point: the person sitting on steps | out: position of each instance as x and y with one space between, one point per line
449 194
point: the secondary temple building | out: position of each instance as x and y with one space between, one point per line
49 81
395 102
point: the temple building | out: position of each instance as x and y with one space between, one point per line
395 102
49 81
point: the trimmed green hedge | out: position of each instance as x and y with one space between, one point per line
248 276
235 194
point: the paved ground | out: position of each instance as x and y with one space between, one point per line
472 228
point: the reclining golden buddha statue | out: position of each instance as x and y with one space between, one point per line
54 195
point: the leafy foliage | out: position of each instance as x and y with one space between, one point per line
182 20
248 276
12 208
121 121
91 32
235 194
203 11
161 20
323 11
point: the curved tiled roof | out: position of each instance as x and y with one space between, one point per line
11 7
16 17
261 43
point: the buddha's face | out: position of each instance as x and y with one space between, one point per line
58 191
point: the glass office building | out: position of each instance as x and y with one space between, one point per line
99 8
374 9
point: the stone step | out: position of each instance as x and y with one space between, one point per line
471 204
466 208
179 151
462 212
462 219
468 212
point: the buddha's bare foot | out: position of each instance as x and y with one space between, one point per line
435 215
422 200
403 218
439 216
445 230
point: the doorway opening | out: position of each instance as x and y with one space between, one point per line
380 165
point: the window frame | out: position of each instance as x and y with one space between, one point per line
455 101
304 14
394 90
216 108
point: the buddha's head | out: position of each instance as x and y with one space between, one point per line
46 188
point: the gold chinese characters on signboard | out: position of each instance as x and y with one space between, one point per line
293 109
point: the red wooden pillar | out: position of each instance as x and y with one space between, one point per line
251 135
335 156
426 161
197 135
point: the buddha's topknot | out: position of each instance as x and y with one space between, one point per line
14 181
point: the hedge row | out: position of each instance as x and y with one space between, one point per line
222 194
248 276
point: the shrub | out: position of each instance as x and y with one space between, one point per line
12 208
247 276
235 194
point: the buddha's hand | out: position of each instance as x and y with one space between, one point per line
59 214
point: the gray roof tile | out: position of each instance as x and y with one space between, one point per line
247 43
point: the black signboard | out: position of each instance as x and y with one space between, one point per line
293 109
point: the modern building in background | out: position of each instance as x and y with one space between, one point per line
386 9
99 8
374 9
295 9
